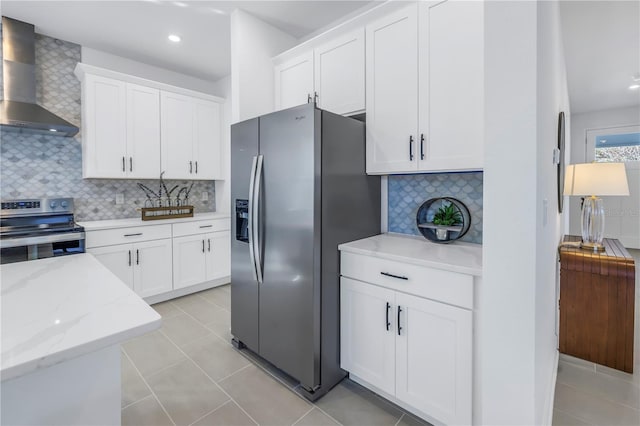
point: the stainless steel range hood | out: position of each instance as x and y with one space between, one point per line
18 110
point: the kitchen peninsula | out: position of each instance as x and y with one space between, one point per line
63 320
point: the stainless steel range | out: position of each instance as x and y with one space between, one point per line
38 228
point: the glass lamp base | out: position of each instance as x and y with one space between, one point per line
592 224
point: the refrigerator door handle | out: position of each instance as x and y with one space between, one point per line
256 220
251 207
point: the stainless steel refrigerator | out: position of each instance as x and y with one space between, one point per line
298 190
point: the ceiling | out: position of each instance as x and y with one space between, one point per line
138 30
602 50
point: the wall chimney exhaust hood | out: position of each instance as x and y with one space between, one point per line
18 110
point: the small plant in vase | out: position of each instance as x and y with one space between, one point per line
447 215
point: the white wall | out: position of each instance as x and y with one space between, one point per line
552 97
525 88
223 187
253 44
150 72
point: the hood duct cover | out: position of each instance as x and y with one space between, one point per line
18 110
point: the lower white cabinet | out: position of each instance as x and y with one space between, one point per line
415 351
201 257
145 267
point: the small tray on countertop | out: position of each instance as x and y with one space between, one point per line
168 212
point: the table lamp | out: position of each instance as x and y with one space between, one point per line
591 180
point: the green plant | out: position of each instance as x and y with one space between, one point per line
447 215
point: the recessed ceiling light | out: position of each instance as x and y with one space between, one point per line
174 38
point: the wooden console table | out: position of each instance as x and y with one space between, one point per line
597 297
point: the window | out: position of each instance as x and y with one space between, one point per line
622 147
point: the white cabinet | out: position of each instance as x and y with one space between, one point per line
145 266
339 74
191 137
412 349
121 129
201 257
424 93
331 75
294 81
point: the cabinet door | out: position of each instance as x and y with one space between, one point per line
218 255
207 140
451 84
392 92
367 342
339 74
189 261
152 268
294 81
177 126
434 359
105 134
118 259
143 132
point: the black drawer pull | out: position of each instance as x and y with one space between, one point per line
388 322
206 226
399 328
133 235
400 277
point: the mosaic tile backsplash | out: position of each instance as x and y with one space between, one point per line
34 166
408 192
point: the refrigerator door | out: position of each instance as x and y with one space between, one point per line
289 233
244 287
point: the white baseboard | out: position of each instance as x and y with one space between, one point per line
187 290
547 415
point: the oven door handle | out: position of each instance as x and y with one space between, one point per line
41 239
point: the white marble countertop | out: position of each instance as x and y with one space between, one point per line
459 257
59 308
96 225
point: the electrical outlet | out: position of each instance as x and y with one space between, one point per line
120 198
204 196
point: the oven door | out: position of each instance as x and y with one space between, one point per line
40 247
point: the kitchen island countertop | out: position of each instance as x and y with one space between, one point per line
57 309
465 258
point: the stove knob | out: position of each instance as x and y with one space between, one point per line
53 204
64 204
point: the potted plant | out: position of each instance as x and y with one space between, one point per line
447 215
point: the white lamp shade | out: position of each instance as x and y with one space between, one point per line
596 179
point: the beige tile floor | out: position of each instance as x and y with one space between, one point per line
592 394
187 373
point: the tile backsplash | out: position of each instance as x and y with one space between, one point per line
34 166
408 192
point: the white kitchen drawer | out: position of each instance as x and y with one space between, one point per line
200 227
435 284
109 237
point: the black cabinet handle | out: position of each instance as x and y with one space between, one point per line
206 226
400 277
315 97
123 167
133 235
137 257
209 244
422 146
388 308
399 327
190 166
203 246
129 257
130 164
410 148
196 167
308 98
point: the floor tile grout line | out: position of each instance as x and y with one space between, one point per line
303 416
213 381
149 387
400 419
166 367
209 301
203 324
604 398
212 411
234 373
136 401
327 414
574 416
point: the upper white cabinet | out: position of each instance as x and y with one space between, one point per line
332 75
294 81
392 92
135 128
191 133
425 89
